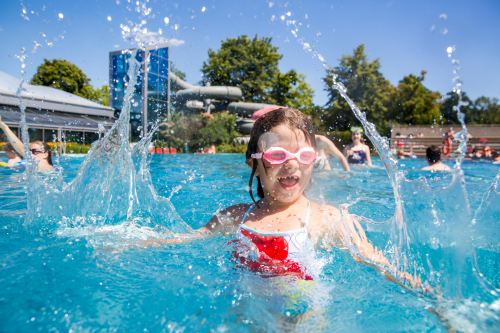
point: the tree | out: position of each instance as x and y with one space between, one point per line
485 111
450 115
291 89
366 86
481 111
413 104
252 65
180 74
66 76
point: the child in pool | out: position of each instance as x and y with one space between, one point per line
357 152
284 226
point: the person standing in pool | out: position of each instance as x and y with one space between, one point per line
277 234
15 159
326 148
433 157
357 152
40 151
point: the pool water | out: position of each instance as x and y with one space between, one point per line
78 279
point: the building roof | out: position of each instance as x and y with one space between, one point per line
53 120
41 97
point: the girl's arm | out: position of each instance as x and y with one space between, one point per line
220 222
331 149
331 230
13 139
368 156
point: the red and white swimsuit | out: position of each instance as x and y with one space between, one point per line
278 253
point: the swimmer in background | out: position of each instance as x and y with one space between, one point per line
14 157
433 157
284 226
211 150
326 148
40 151
357 152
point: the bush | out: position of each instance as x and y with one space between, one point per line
232 149
198 131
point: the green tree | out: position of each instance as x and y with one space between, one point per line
177 71
483 110
252 65
413 104
66 76
366 86
291 89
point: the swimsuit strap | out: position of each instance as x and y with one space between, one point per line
308 213
246 214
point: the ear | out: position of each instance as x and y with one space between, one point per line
249 162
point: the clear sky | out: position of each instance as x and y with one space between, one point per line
407 36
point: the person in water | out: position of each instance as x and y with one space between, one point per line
326 148
14 157
40 151
433 157
357 152
283 227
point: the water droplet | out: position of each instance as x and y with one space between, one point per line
61 15
166 20
203 9
109 18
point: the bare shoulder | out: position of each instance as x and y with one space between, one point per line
235 212
321 140
324 212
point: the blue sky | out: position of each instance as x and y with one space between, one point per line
407 36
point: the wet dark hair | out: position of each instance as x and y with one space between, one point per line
9 147
433 154
289 117
46 149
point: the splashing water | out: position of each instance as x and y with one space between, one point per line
431 231
112 199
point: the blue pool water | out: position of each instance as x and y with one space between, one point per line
79 279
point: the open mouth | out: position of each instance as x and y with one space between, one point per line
289 183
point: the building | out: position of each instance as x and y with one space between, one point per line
151 99
51 114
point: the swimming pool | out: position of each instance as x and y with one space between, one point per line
73 278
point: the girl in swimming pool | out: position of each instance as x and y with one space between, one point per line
357 152
283 227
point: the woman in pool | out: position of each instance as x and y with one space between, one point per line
40 151
277 234
357 152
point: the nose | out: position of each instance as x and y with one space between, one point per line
291 163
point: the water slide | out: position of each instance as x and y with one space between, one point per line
214 98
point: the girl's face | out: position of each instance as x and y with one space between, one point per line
356 136
38 155
283 182
10 154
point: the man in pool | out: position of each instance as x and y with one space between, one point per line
433 157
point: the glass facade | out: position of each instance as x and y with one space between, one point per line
150 102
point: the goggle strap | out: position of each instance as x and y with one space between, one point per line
257 155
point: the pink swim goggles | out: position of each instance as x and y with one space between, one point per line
278 155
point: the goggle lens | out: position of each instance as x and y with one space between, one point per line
280 155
